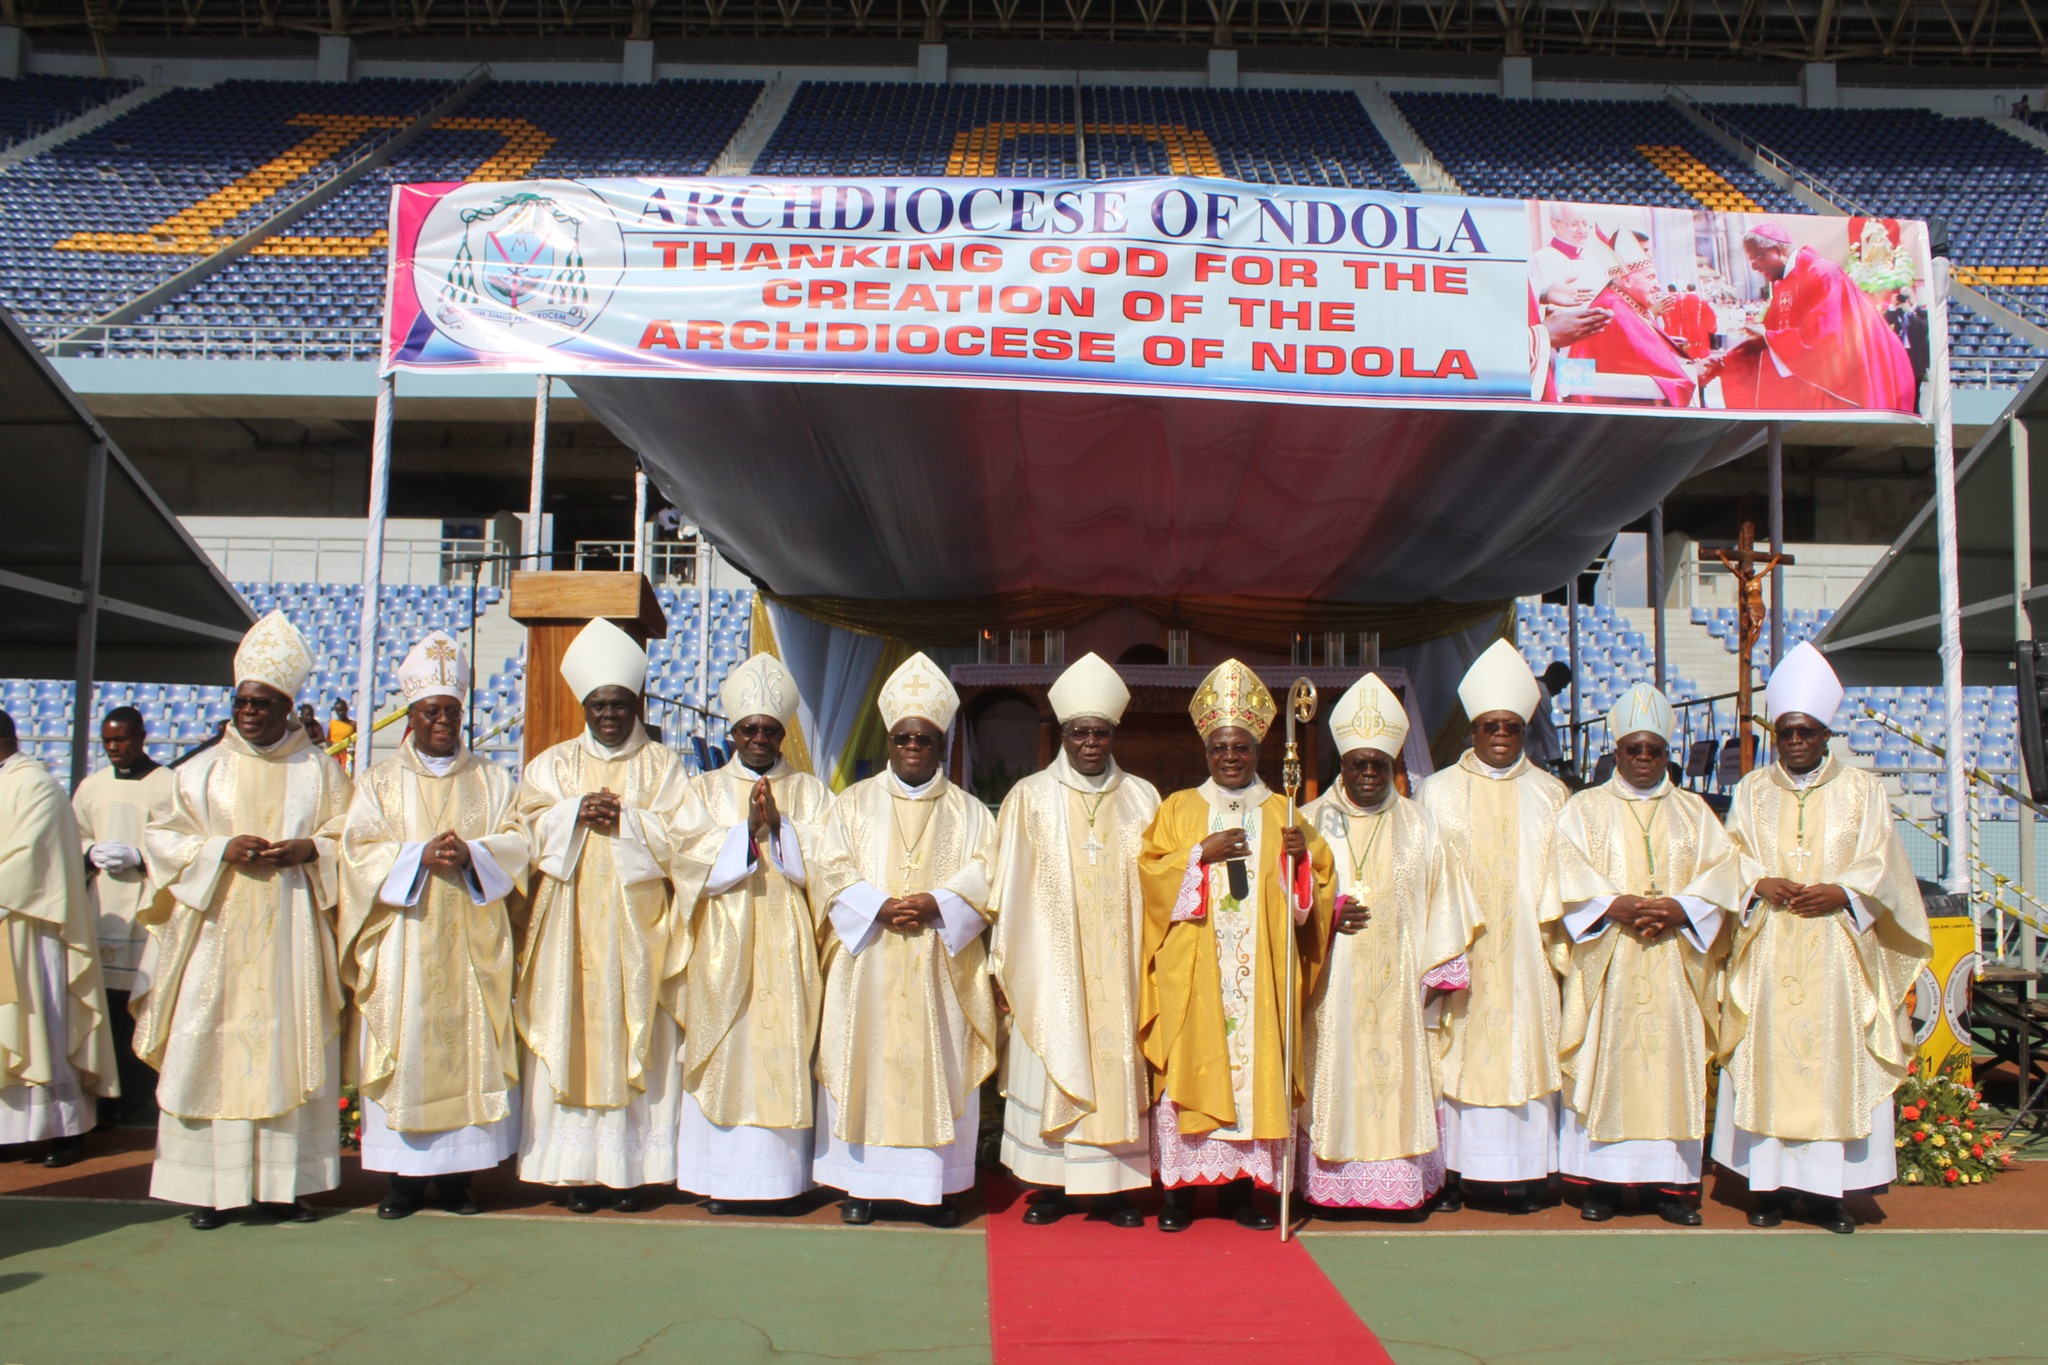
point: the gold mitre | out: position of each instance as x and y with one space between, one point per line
1642 709
275 654
435 667
1232 695
918 688
759 687
1369 716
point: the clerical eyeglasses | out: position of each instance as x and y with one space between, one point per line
1800 734
911 741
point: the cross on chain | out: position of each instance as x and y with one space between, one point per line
1091 848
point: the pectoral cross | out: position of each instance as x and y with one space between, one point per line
911 863
1800 857
1091 848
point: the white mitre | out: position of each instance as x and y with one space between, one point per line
1642 709
1499 680
759 687
1369 716
602 655
1805 682
275 654
918 688
1089 687
435 667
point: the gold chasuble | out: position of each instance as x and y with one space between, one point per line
1069 918
431 980
909 1028
1814 1035
1639 1019
1503 1031
597 949
743 975
54 1033
1213 988
1372 1089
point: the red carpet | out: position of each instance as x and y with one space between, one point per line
1082 1291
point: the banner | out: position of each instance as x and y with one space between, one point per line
1164 286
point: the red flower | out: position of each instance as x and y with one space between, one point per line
1910 1113
1977 1151
1953 1175
1920 1136
1970 1124
1973 1106
1913 1067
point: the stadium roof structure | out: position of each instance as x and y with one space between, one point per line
918 494
1889 631
162 610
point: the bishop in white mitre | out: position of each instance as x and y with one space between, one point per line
431 857
1815 1036
1370 1138
56 1050
1646 876
599 1069
238 998
1069 922
1496 812
909 1027
747 948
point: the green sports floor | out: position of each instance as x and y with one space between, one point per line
88 1281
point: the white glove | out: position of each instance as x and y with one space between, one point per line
111 857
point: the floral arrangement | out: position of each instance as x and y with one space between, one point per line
351 1119
1940 1140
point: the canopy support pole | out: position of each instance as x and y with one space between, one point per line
373 576
639 521
1656 586
537 482
1957 822
1776 437
2023 629
1571 619
88 610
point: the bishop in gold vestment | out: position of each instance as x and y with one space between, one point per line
909 1030
599 1069
1371 1138
1814 1036
1646 874
426 946
1214 990
1069 916
1496 812
238 998
56 1052
748 947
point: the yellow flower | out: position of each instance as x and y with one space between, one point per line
1898 1142
1912 1177
1940 1141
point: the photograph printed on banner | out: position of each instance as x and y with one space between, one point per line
1686 308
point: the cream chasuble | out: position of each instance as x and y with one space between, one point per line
427 956
1503 1031
238 999
116 810
1814 1036
909 1027
1069 918
56 1049
1372 1091
744 977
1639 1019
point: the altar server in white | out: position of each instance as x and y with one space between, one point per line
1070 919
431 855
1815 1035
748 981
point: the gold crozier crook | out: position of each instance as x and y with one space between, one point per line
1301 709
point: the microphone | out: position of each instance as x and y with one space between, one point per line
1240 880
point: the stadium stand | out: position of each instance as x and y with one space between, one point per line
33 105
1266 137
877 128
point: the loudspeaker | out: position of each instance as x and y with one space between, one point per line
2031 656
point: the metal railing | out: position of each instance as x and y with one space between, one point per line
668 561
183 341
339 559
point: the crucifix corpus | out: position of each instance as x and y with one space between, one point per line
1750 569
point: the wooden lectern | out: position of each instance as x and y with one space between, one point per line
553 607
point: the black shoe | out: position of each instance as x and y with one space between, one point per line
397 1205
206 1220
583 1199
1679 1213
1450 1199
719 1208
65 1151
628 1201
1048 1208
455 1196
1830 1214
944 1214
1120 1213
1768 1213
298 1211
1178 1215
1596 1210
857 1212
1242 1206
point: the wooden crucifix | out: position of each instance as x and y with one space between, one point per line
1750 569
